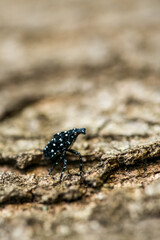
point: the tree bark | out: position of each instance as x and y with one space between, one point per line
80 64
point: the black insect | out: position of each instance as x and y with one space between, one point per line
59 145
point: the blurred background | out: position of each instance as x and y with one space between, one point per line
78 63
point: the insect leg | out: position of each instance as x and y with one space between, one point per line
53 166
80 160
64 165
56 161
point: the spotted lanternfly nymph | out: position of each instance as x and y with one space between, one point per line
59 145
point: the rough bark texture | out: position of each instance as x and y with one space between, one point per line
93 64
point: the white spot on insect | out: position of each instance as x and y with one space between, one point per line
60 140
61 144
68 142
54 144
52 150
46 146
66 135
